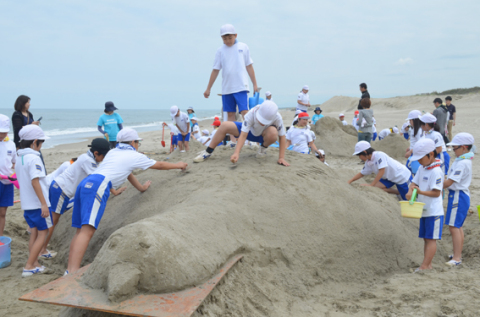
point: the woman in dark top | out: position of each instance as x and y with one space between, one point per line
21 117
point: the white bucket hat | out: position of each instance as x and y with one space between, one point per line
414 114
422 148
128 135
428 118
267 112
395 130
4 123
32 132
462 138
361 146
227 29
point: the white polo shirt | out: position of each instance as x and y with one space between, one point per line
29 166
437 138
182 122
120 162
75 173
299 137
196 131
305 98
430 179
251 124
51 177
8 156
461 173
173 128
344 122
415 138
394 171
203 139
233 62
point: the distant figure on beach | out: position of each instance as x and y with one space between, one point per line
268 95
173 136
441 113
354 120
431 129
386 132
195 128
205 138
374 129
262 124
299 137
111 122
415 134
365 121
21 117
452 111
318 115
365 94
8 157
182 122
303 99
341 117
233 58
191 114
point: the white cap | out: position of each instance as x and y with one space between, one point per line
462 139
194 118
267 112
173 111
404 126
341 115
268 93
428 118
422 148
4 123
395 130
32 132
305 87
227 29
414 114
206 132
298 111
321 152
361 146
128 135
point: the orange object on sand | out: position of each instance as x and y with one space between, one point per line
2 243
163 134
69 291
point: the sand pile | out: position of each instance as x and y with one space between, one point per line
335 138
394 145
295 238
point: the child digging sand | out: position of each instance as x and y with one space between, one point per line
92 193
458 182
34 194
429 184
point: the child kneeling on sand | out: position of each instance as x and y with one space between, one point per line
33 194
458 181
92 193
263 124
429 184
389 171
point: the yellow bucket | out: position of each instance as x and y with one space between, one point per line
411 211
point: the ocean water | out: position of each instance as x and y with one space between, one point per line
76 125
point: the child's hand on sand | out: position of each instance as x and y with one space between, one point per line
45 211
182 166
146 186
118 191
282 161
234 158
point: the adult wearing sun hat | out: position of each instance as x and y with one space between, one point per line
318 115
263 124
303 99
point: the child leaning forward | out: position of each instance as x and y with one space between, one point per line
429 185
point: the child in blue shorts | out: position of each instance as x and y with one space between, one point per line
458 182
182 123
33 194
263 124
7 163
92 193
389 172
233 58
429 184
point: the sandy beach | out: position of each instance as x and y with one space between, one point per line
313 245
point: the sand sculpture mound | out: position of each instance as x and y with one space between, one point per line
187 225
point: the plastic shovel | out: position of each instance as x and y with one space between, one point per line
414 196
163 136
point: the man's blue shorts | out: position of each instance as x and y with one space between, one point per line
58 200
431 227
90 201
250 136
457 208
34 219
231 101
181 138
402 188
6 195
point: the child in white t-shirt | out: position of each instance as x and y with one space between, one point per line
195 128
431 129
458 183
173 136
182 122
429 185
389 172
204 139
342 119
92 193
355 119
7 163
33 194
233 58
300 137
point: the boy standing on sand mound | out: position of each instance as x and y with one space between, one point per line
263 124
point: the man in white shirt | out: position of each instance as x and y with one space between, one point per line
262 124
233 58
182 122
303 99
93 192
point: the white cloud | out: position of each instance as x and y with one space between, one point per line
404 61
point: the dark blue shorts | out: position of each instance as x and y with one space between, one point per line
402 188
250 136
181 138
6 195
58 200
175 139
457 208
34 219
431 227
406 136
90 201
231 101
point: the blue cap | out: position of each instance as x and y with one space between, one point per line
318 109
109 106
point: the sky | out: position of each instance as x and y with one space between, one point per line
154 54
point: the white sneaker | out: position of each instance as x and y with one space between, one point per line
232 145
182 151
262 152
27 273
202 156
66 273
